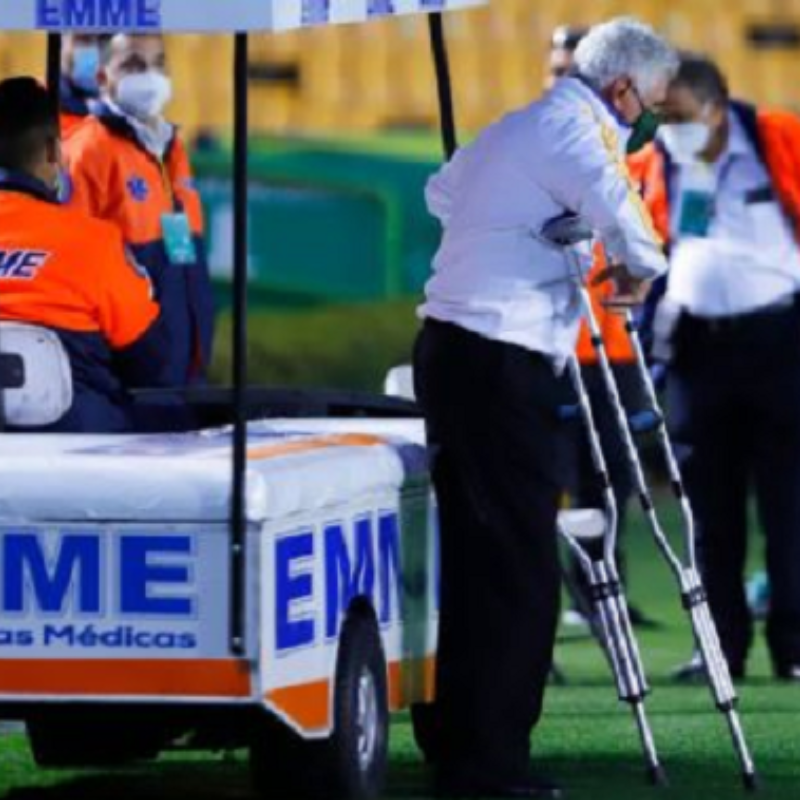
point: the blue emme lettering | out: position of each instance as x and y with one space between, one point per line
347 578
29 573
151 575
139 15
361 558
293 584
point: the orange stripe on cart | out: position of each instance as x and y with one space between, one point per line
126 678
309 704
310 445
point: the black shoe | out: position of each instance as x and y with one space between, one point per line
694 672
425 724
537 789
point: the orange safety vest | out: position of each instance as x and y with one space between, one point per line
63 270
69 123
70 274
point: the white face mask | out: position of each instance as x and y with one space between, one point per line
685 141
144 95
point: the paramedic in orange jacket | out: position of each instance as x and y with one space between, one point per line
71 274
584 489
80 67
128 165
723 186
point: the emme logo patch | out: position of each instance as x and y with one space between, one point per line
22 264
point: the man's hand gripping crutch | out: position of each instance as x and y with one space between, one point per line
567 232
578 528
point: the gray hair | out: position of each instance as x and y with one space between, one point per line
625 47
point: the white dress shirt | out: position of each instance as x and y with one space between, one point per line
492 275
155 139
749 258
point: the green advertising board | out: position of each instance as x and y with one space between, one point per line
325 225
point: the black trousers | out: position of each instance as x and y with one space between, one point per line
734 403
491 413
583 484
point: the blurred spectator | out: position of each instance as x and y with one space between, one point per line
723 185
561 59
584 487
128 165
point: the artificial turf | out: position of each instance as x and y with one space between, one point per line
586 740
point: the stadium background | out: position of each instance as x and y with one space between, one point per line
344 133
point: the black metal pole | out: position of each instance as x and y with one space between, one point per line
54 67
238 560
444 85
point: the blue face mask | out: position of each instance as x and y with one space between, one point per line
85 66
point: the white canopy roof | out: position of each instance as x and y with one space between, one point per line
205 15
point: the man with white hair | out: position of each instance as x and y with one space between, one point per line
501 320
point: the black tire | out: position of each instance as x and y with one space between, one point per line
351 764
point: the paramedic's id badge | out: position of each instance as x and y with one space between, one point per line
178 239
697 213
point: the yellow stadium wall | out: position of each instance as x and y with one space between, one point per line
377 76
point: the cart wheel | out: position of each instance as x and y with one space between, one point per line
351 764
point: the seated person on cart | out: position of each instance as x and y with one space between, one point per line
67 273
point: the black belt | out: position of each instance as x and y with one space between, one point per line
455 332
749 320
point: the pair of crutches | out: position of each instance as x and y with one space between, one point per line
580 527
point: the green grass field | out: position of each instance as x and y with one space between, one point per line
586 740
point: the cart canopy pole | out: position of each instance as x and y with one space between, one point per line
444 85
54 67
239 489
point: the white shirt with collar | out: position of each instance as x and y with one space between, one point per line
156 139
749 258
492 275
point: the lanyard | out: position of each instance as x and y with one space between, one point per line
721 176
168 188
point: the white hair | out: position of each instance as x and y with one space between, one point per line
625 47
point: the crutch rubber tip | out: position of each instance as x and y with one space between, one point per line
657 776
752 783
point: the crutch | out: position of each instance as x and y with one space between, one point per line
611 622
685 569
693 594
